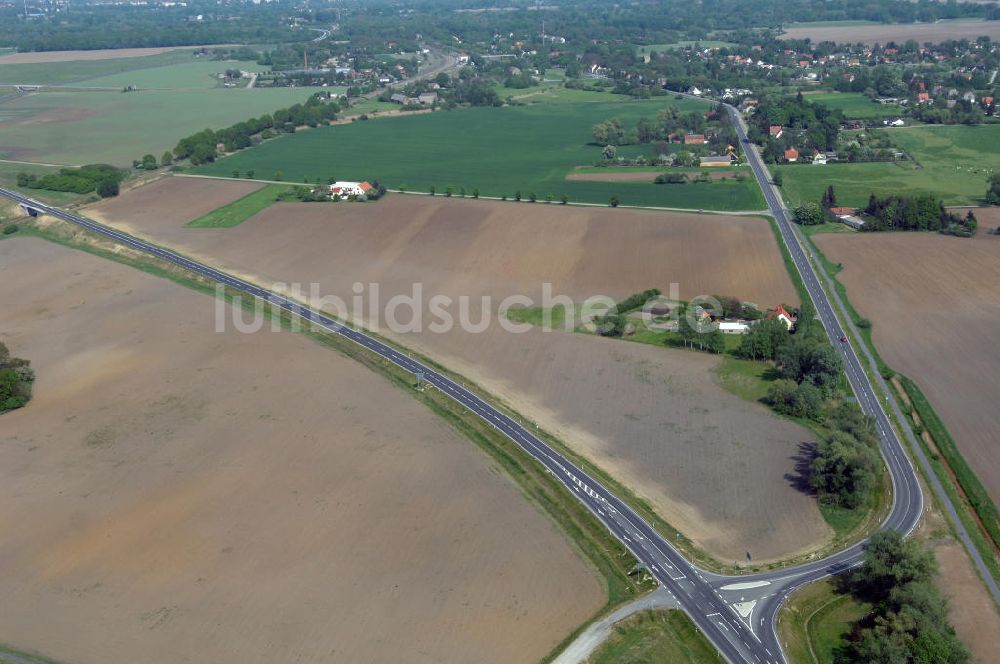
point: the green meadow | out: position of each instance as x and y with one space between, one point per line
951 162
57 73
498 151
115 127
854 105
241 209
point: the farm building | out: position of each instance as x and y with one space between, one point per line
695 139
723 160
733 327
344 189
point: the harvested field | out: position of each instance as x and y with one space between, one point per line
971 609
935 307
176 494
32 57
897 32
712 464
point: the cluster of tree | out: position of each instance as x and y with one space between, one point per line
615 321
808 214
100 178
477 91
95 26
846 467
16 377
669 123
519 81
916 213
993 190
148 161
202 147
910 617
804 125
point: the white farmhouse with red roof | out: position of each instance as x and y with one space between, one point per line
782 314
345 189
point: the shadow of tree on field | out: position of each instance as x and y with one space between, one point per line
799 477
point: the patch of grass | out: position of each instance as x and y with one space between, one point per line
829 227
975 492
855 105
499 151
551 317
815 622
951 162
656 636
115 128
235 213
747 379
15 656
55 73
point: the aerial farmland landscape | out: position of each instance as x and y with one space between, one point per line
402 330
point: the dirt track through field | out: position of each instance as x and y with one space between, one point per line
900 32
935 307
176 494
717 467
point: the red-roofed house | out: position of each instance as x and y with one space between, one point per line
987 101
923 98
782 314
695 139
345 189
791 154
777 131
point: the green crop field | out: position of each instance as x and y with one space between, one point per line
952 162
55 73
854 105
496 150
116 127
194 74
241 209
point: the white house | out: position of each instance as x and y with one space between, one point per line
344 189
733 327
783 315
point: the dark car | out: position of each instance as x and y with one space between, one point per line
843 340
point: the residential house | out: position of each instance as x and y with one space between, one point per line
923 98
695 139
819 158
782 314
791 155
427 98
776 131
399 98
345 189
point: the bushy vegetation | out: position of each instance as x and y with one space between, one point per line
910 620
805 126
615 321
993 190
846 467
916 213
202 147
16 377
101 178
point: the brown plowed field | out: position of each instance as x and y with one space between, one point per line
972 611
174 494
935 306
714 465
897 32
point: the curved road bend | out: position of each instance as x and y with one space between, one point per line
737 614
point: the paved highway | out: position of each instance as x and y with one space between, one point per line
737 614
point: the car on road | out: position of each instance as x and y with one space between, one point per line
843 340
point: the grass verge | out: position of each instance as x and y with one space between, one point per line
656 636
815 622
235 213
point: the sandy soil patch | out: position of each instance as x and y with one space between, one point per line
935 306
102 54
176 494
714 465
871 34
971 609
